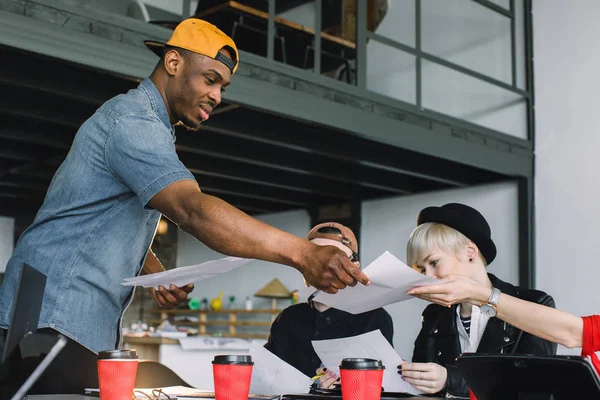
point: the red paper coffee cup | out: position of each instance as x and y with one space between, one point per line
116 374
471 395
361 378
232 375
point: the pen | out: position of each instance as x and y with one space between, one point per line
314 378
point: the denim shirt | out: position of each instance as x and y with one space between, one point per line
95 225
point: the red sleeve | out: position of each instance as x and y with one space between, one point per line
591 339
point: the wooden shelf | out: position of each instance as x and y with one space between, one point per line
231 322
236 323
149 340
223 311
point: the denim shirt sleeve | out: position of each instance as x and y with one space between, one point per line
140 153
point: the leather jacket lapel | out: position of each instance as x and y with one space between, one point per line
497 335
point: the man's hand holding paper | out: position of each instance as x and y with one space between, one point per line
391 279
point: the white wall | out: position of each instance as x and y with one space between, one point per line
7 238
387 224
251 277
567 141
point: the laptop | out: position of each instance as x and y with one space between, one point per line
24 320
500 376
26 308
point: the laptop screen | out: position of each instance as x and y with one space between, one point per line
26 308
500 376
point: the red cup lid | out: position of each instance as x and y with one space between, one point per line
361 363
233 359
117 355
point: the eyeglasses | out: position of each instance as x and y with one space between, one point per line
156 394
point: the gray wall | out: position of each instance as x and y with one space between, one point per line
567 142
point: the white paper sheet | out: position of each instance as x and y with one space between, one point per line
368 345
183 275
390 280
272 375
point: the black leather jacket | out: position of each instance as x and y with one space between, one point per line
439 342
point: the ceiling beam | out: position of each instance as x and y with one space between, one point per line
43 107
31 183
275 157
40 135
251 125
259 205
69 81
259 191
251 173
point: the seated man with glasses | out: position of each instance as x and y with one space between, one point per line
294 329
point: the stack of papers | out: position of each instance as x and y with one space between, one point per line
184 275
390 280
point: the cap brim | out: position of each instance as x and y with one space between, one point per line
157 48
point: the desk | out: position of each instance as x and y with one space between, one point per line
82 397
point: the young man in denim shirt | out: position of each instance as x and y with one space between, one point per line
104 203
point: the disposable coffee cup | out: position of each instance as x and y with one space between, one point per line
117 370
361 378
232 375
472 395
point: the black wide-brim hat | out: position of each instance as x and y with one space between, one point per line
467 221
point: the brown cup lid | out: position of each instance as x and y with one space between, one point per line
117 355
361 363
233 359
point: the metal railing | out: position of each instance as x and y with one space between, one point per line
363 35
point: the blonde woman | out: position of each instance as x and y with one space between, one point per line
455 239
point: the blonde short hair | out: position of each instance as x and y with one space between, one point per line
431 235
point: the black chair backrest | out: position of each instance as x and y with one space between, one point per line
152 374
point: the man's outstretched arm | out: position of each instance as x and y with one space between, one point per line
230 231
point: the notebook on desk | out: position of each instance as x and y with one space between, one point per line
499 376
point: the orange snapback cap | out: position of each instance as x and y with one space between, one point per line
201 37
